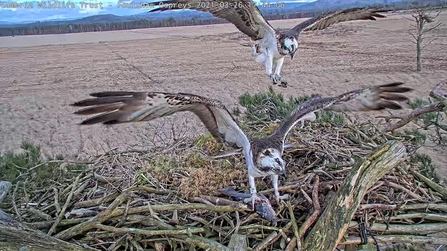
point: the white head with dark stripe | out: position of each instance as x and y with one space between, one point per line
288 44
267 155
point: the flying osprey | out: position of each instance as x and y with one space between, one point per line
263 155
273 44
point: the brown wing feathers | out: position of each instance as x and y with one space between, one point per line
373 98
122 107
244 14
388 94
325 20
113 106
367 99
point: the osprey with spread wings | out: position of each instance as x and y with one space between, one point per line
263 156
273 44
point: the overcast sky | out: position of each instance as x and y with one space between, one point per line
26 11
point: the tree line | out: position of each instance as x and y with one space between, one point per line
40 28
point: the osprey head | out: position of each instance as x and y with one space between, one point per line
289 45
269 160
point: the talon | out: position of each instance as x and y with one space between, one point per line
278 198
278 80
253 200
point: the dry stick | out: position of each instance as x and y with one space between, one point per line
56 200
64 208
292 244
85 226
38 213
398 239
45 224
432 184
424 216
136 245
294 224
208 225
416 229
266 241
14 204
151 190
314 216
125 230
432 206
397 186
438 106
439 93
172 207
96 202
203 243
377 206
272 238
332 224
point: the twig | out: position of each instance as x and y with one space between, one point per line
432 206
398 239
431 184
272 237
203 243
377 206
424 216
56 200
103 216
314 216
171 207
294 224
266 241
64 208
437 106
409 229
95 202
124 230
14 204
413 195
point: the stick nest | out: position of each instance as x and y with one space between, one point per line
165 200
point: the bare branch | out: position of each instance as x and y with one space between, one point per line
428 43
413 35
432 28
438 106
439 93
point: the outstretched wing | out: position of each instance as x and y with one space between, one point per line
244 14
323 21
367 99
124 107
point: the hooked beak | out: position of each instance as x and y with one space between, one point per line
292 54
283 174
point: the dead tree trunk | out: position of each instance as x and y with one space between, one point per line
421 18
18 238
14 236
419 47
333 222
